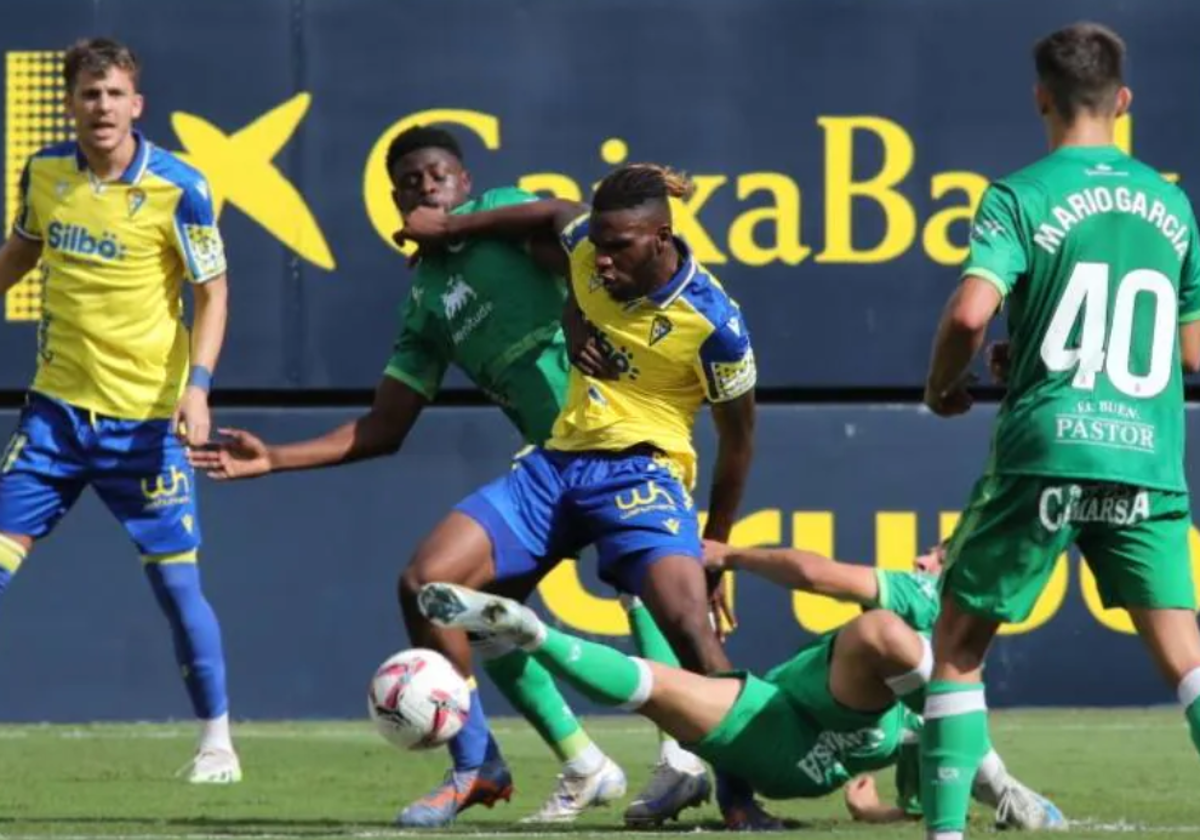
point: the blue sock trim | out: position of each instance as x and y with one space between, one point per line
474 745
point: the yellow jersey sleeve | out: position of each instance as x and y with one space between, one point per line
197 238
725 362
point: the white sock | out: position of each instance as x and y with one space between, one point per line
1189 688
214 734
678 758
944 835
918 677
586 763
991 780
532 634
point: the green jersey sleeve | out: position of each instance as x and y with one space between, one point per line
419 357
499 197
911 595
1189 281
997 250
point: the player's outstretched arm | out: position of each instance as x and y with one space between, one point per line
381 431
18 256
794 568
430 227
960 336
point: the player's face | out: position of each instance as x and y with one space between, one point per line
429 178
104 107
629 249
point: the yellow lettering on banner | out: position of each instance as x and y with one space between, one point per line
377 185
895 540
813 531
684 215
559 186
1123 139
783 214
1051 599
570 602
936 236
900 221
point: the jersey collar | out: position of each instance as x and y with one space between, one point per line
137 167
665 296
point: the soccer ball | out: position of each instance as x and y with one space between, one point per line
418 700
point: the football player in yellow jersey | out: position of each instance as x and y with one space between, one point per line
120 226
618 469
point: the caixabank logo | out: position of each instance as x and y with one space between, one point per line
238 164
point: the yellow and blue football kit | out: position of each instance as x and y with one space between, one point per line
112 347
619 466
113 354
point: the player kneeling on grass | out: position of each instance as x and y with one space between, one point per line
837 709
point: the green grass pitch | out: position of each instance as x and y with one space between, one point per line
1130 772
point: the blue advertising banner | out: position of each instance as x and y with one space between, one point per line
838 147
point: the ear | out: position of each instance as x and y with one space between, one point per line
1042 99
665 237
139 104
466 181
1124 100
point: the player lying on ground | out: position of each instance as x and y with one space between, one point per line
493 308
618 468
122 228
1096 254
830 712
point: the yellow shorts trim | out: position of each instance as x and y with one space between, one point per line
12 554
164 559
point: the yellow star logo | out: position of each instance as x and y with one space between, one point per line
239 170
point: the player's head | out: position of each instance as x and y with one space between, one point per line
1080 72
102 92
426 168
631 228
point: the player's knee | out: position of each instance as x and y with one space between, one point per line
887 636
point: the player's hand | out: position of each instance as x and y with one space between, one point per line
720 607
999 361
238 454
952 402
584 350
191 421
716 555
862 796
426 226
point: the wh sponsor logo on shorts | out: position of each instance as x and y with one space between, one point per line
1072 504
648 498
174 488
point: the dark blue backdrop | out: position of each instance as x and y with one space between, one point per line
302 568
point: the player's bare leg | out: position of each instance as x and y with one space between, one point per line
676 592
1174 643
680 779
457 551
877 659
683 704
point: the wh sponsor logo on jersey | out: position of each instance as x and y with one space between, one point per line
1072 504
76 239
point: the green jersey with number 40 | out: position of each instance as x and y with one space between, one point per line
487 307
1095 255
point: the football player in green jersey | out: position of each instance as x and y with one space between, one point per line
837 708
1095 254
492 307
